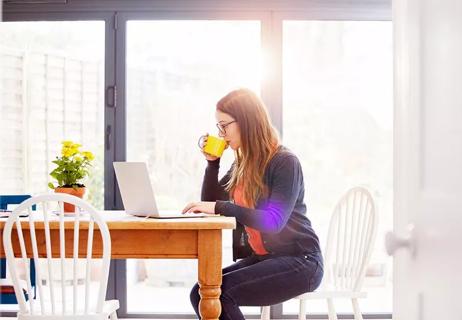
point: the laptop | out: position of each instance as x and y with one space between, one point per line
138 195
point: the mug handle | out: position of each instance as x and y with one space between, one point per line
200 142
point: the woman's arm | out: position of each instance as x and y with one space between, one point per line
212 189
271 216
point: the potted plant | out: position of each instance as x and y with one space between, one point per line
72 167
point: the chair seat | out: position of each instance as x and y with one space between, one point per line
109 307
324 294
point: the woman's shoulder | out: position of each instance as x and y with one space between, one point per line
284 156
284 152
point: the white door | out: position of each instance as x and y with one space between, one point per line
428 160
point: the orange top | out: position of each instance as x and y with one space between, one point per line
255 241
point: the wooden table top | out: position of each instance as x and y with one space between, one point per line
119 220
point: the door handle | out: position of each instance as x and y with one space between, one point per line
393 242
108 139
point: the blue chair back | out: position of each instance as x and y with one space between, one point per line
5 200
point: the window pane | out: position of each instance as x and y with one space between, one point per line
51 89
52 79
338 117
175 76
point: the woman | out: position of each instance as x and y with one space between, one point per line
264 191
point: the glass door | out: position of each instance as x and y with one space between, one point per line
338 118
176 71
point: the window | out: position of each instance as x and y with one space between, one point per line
52 90
333 105
174 79
51 76
338 118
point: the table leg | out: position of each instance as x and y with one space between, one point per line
209 255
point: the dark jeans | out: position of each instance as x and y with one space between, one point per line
263 281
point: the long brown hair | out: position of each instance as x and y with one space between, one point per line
259 142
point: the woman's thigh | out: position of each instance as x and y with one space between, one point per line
243 263
270 281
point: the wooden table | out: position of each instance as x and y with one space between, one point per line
133 237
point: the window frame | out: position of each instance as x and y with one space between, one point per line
116 13
109 77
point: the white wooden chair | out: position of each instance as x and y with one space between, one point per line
350 241
75 304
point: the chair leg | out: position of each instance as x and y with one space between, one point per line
113 315
357 312
265 313
302 310
331 309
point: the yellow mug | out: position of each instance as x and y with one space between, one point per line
214 145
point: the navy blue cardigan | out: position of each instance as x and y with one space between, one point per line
280 217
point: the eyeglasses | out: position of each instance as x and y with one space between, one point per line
222 127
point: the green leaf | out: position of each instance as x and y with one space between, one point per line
51 186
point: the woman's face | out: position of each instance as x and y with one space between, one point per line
229 129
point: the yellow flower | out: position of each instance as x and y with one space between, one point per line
78 159
66 153
70 148
69 151
88 155
67 143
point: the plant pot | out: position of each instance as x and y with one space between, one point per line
78 192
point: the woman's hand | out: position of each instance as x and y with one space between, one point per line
209 157
202 206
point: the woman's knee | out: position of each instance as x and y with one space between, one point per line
227 292
194 295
